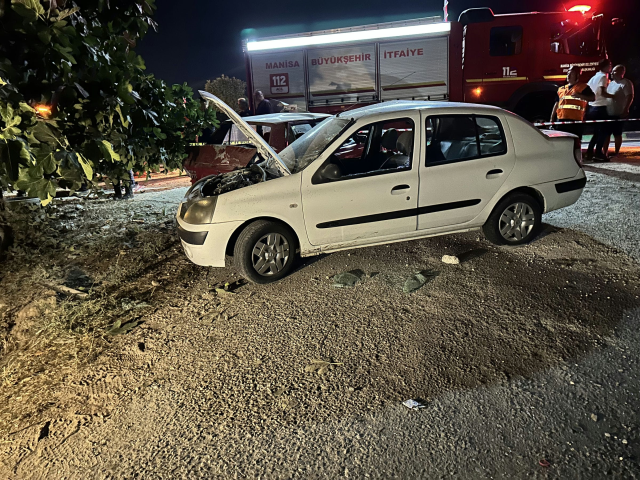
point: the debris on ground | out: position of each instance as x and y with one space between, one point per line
65 290
348 279
419 280
413 404
224 292
128 304
120 329
320 366
451 260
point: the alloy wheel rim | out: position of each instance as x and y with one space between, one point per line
517 221
270 254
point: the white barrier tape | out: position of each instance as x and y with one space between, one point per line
574 122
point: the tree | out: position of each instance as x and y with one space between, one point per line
228 89
74 98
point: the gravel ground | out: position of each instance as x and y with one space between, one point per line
607 211
525 359
620 167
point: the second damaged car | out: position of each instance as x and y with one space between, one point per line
229 149
385 173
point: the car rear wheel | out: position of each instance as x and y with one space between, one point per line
515 220
265 251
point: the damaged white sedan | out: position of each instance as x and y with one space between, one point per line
386 173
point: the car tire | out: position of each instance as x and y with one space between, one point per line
265 251
516 220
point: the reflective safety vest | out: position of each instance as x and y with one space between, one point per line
569 106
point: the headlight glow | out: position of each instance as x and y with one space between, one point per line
201 212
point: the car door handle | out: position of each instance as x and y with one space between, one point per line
494 173
399 189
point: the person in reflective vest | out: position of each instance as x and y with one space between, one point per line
572 102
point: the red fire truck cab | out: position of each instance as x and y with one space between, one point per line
515 61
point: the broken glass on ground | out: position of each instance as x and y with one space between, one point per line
348 279
413 404
419 280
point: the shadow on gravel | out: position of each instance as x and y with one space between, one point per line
472 254
500 314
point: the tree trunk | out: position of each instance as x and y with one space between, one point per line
6 237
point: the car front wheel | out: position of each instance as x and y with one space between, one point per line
515 220
265 251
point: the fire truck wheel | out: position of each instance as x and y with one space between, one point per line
514 221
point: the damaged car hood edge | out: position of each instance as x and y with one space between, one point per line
263 147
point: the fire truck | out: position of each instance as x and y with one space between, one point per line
515 61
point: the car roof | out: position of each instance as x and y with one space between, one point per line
284 117
410 105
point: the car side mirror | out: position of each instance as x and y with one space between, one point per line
328 173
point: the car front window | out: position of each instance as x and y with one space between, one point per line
301 153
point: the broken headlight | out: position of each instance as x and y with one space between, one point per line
200 212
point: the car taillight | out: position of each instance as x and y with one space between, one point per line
577 151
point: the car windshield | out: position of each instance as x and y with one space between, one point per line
307 148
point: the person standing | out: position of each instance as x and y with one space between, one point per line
598 110
263 107
243 108
572 102
622 93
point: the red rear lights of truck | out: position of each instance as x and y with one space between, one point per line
577 151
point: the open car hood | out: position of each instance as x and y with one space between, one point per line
263 147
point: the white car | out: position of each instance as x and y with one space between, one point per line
386 173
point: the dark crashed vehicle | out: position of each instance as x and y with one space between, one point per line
230 149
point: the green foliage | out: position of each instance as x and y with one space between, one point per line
228 89
107 115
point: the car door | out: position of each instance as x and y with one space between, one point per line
465 160
373 190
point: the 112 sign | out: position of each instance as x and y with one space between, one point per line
279 83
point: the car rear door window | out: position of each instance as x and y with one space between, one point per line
490 136
456 138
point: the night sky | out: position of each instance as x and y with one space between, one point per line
200 40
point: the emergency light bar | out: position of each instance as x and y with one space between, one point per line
308 41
